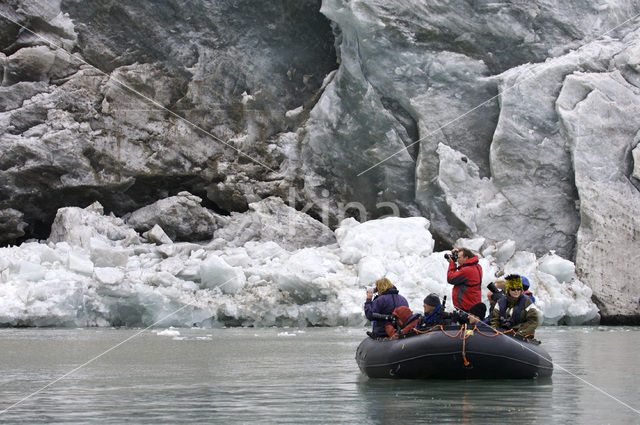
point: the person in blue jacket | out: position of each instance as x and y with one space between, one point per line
434 314
385 302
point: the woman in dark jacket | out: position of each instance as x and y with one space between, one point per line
385 302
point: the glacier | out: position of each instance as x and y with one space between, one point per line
96 270
508 122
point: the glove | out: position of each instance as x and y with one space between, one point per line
506 323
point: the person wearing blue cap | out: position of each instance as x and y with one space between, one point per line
525 287
434 314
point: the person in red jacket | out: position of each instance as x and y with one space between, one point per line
466 278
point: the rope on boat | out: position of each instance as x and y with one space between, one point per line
464 346
463 333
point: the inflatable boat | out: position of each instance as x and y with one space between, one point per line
454 352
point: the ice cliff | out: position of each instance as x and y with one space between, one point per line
494 120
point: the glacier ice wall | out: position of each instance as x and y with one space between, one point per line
489 119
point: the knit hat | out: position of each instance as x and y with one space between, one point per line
513 282
478 310
525 283
432 299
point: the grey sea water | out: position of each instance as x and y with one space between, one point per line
297 376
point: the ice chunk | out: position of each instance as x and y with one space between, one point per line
306 275
79 263
237 257
391 236
474 244
108 275
217 273
522 263
78 226
31 271
47 254
563 270
549 298
264 250
157 235
109 257
370 269
169 332
163 279
173 265
502 251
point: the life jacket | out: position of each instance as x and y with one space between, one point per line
517 309
405 320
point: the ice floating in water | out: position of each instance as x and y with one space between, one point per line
96 271
168 332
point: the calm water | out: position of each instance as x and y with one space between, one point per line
291 376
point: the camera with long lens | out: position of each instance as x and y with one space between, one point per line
496 293
388 317
453 256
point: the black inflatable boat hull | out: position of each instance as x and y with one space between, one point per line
440 354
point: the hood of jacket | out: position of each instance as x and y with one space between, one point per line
390 291
470 261
403 314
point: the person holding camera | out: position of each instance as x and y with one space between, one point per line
465 276
514 310
384 303
494 293
434 314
